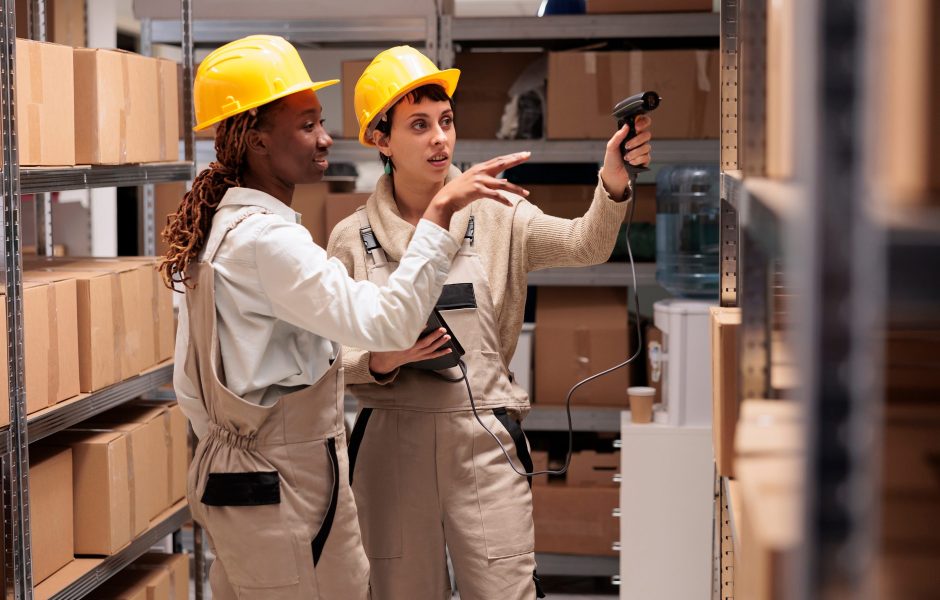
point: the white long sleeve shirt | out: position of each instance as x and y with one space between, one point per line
283 306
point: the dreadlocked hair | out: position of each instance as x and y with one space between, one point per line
188 228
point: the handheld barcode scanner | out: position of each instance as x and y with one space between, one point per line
626 113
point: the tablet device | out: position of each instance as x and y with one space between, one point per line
436 321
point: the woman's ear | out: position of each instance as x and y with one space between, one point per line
381 142
256 141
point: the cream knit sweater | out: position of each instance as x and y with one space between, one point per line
512 241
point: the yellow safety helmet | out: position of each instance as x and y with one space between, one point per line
391 75
247 73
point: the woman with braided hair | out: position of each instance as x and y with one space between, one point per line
258 362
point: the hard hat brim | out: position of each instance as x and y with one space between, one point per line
447 79
312 85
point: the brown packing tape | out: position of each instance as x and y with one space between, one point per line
636 74
131 484
36 99
155 304
126 107
53 345
168 436
120 327
161 110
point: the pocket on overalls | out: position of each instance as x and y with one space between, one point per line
504 496
375 482
250 526
485 378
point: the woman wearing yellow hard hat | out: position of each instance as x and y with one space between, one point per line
258 367
426 475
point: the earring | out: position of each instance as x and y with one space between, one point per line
388 168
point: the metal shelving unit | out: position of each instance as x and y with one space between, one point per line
100 570
826 235
440 33
71 412
55 179
581 27
15 438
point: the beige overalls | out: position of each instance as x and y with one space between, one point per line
426 474
270 483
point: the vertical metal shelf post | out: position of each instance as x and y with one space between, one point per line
847 305
728 214
147 240
189 153
16 531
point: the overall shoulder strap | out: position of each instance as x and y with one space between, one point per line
215 242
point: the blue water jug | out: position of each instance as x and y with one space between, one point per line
687 234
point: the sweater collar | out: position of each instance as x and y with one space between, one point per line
392 231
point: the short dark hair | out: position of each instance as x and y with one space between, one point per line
431 91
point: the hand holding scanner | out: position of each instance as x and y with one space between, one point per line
436 321
626 113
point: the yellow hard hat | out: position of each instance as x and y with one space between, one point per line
247 73
391 75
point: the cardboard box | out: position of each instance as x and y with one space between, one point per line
726 324
176 430
583 88
589 469
572 201
166 201
352 71
910 450
149 423
603 7
485 81
45 97
62 322
575 520
579 335
539 463
781 71
768 428
168 109
770 525
161 314
310 201
37 336
911 72
65 21
117 107
102 486
340 206
57 250
176 564
907 573
132 306
50 498
137 584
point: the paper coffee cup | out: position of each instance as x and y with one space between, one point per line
641 404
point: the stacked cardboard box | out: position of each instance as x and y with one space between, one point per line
575 516
572 201
485 82
124 313
126 108
340 206
583 88
911 73
726 323
579 335
45 97
50 491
